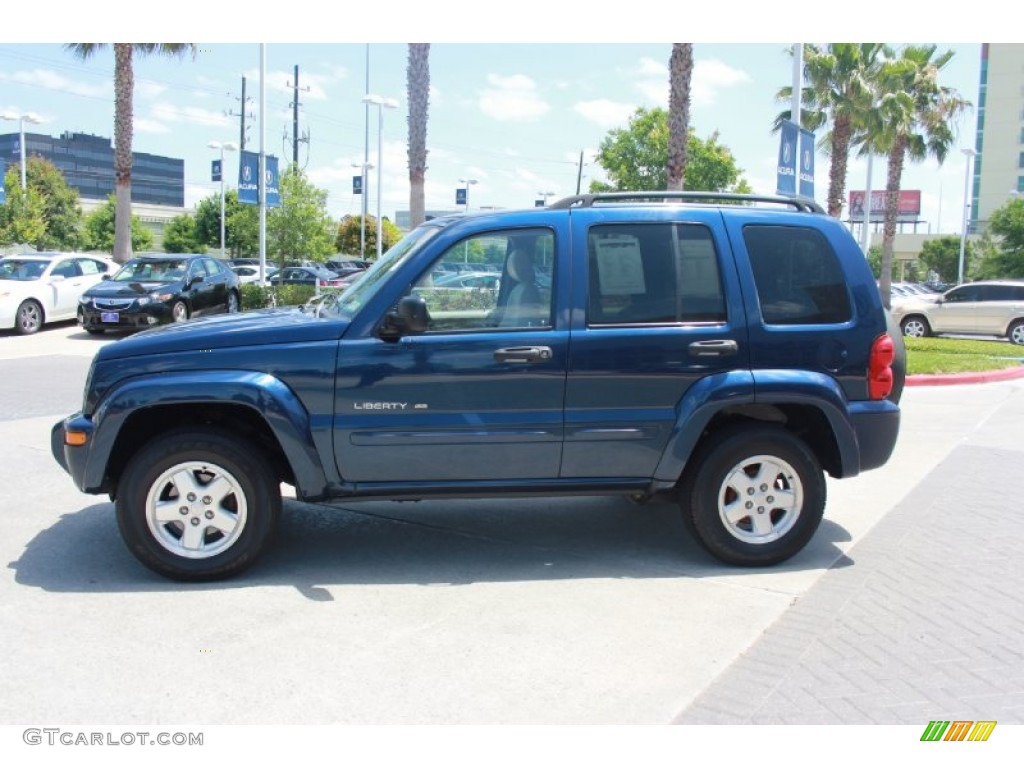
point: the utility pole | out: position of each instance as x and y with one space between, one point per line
296 140
242 115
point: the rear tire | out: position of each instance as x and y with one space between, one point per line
754 495
195 505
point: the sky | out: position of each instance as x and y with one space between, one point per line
513 115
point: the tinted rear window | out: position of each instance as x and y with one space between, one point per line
798 276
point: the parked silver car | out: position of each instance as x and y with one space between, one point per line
984 308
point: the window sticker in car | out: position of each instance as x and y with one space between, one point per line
619 265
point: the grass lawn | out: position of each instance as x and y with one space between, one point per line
937 355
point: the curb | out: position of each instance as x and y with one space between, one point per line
939 379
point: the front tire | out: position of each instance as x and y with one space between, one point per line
179 312
197 505
1015 333
754 495
29 318
915 326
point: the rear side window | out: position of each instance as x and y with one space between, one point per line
798 277
653 274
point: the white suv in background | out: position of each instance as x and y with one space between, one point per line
984 308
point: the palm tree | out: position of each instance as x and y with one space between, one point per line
418 85
839 91
680 73
914 117
124 87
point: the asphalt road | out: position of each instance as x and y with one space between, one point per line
581 610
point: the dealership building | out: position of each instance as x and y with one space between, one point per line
87 162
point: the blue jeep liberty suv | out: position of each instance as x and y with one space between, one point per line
724 350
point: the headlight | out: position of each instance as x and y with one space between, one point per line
143 300
84 301
161 296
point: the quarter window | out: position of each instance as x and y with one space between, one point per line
653 274
798 277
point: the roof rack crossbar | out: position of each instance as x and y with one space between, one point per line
802 204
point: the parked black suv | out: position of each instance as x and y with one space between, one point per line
723 350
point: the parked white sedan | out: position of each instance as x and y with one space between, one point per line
43 288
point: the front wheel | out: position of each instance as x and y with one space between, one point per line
197 505
754 495
915 326
29 318
1016 333
179 312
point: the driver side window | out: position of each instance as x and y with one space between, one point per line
500 279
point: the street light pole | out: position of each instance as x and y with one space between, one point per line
970 153
468 183
230 147
22 118
381 103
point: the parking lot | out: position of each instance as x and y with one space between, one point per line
579 610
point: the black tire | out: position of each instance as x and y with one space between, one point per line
29 317
234 303
225 475
717 478
915 326
179 312
92 330
1015 333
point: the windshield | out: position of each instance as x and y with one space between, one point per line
152 271
366 285
21 269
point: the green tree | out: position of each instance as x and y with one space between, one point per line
680 69
914 119
23 218
124 89
301 228
180 236
1006 258
100 229
841 80
942 256
349 236
635 158
62 210
241 224
418 91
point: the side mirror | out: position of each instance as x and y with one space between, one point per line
194 281
106 276
411 316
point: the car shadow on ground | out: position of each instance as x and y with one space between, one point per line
427 543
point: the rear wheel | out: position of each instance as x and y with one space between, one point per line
197 505
232 302
915 326
754 495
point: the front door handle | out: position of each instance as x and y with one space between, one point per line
714 348
523 354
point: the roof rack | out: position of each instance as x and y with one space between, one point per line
802 204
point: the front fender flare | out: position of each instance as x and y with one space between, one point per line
266 396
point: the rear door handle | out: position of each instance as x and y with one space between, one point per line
523 354
714 348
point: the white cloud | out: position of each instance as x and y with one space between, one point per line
650 67
604 112
711 76
50 80
512 98
147 90
167 112
145 125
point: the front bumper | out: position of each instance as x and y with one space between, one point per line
132 318
73 459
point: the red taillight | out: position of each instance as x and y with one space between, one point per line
883 352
